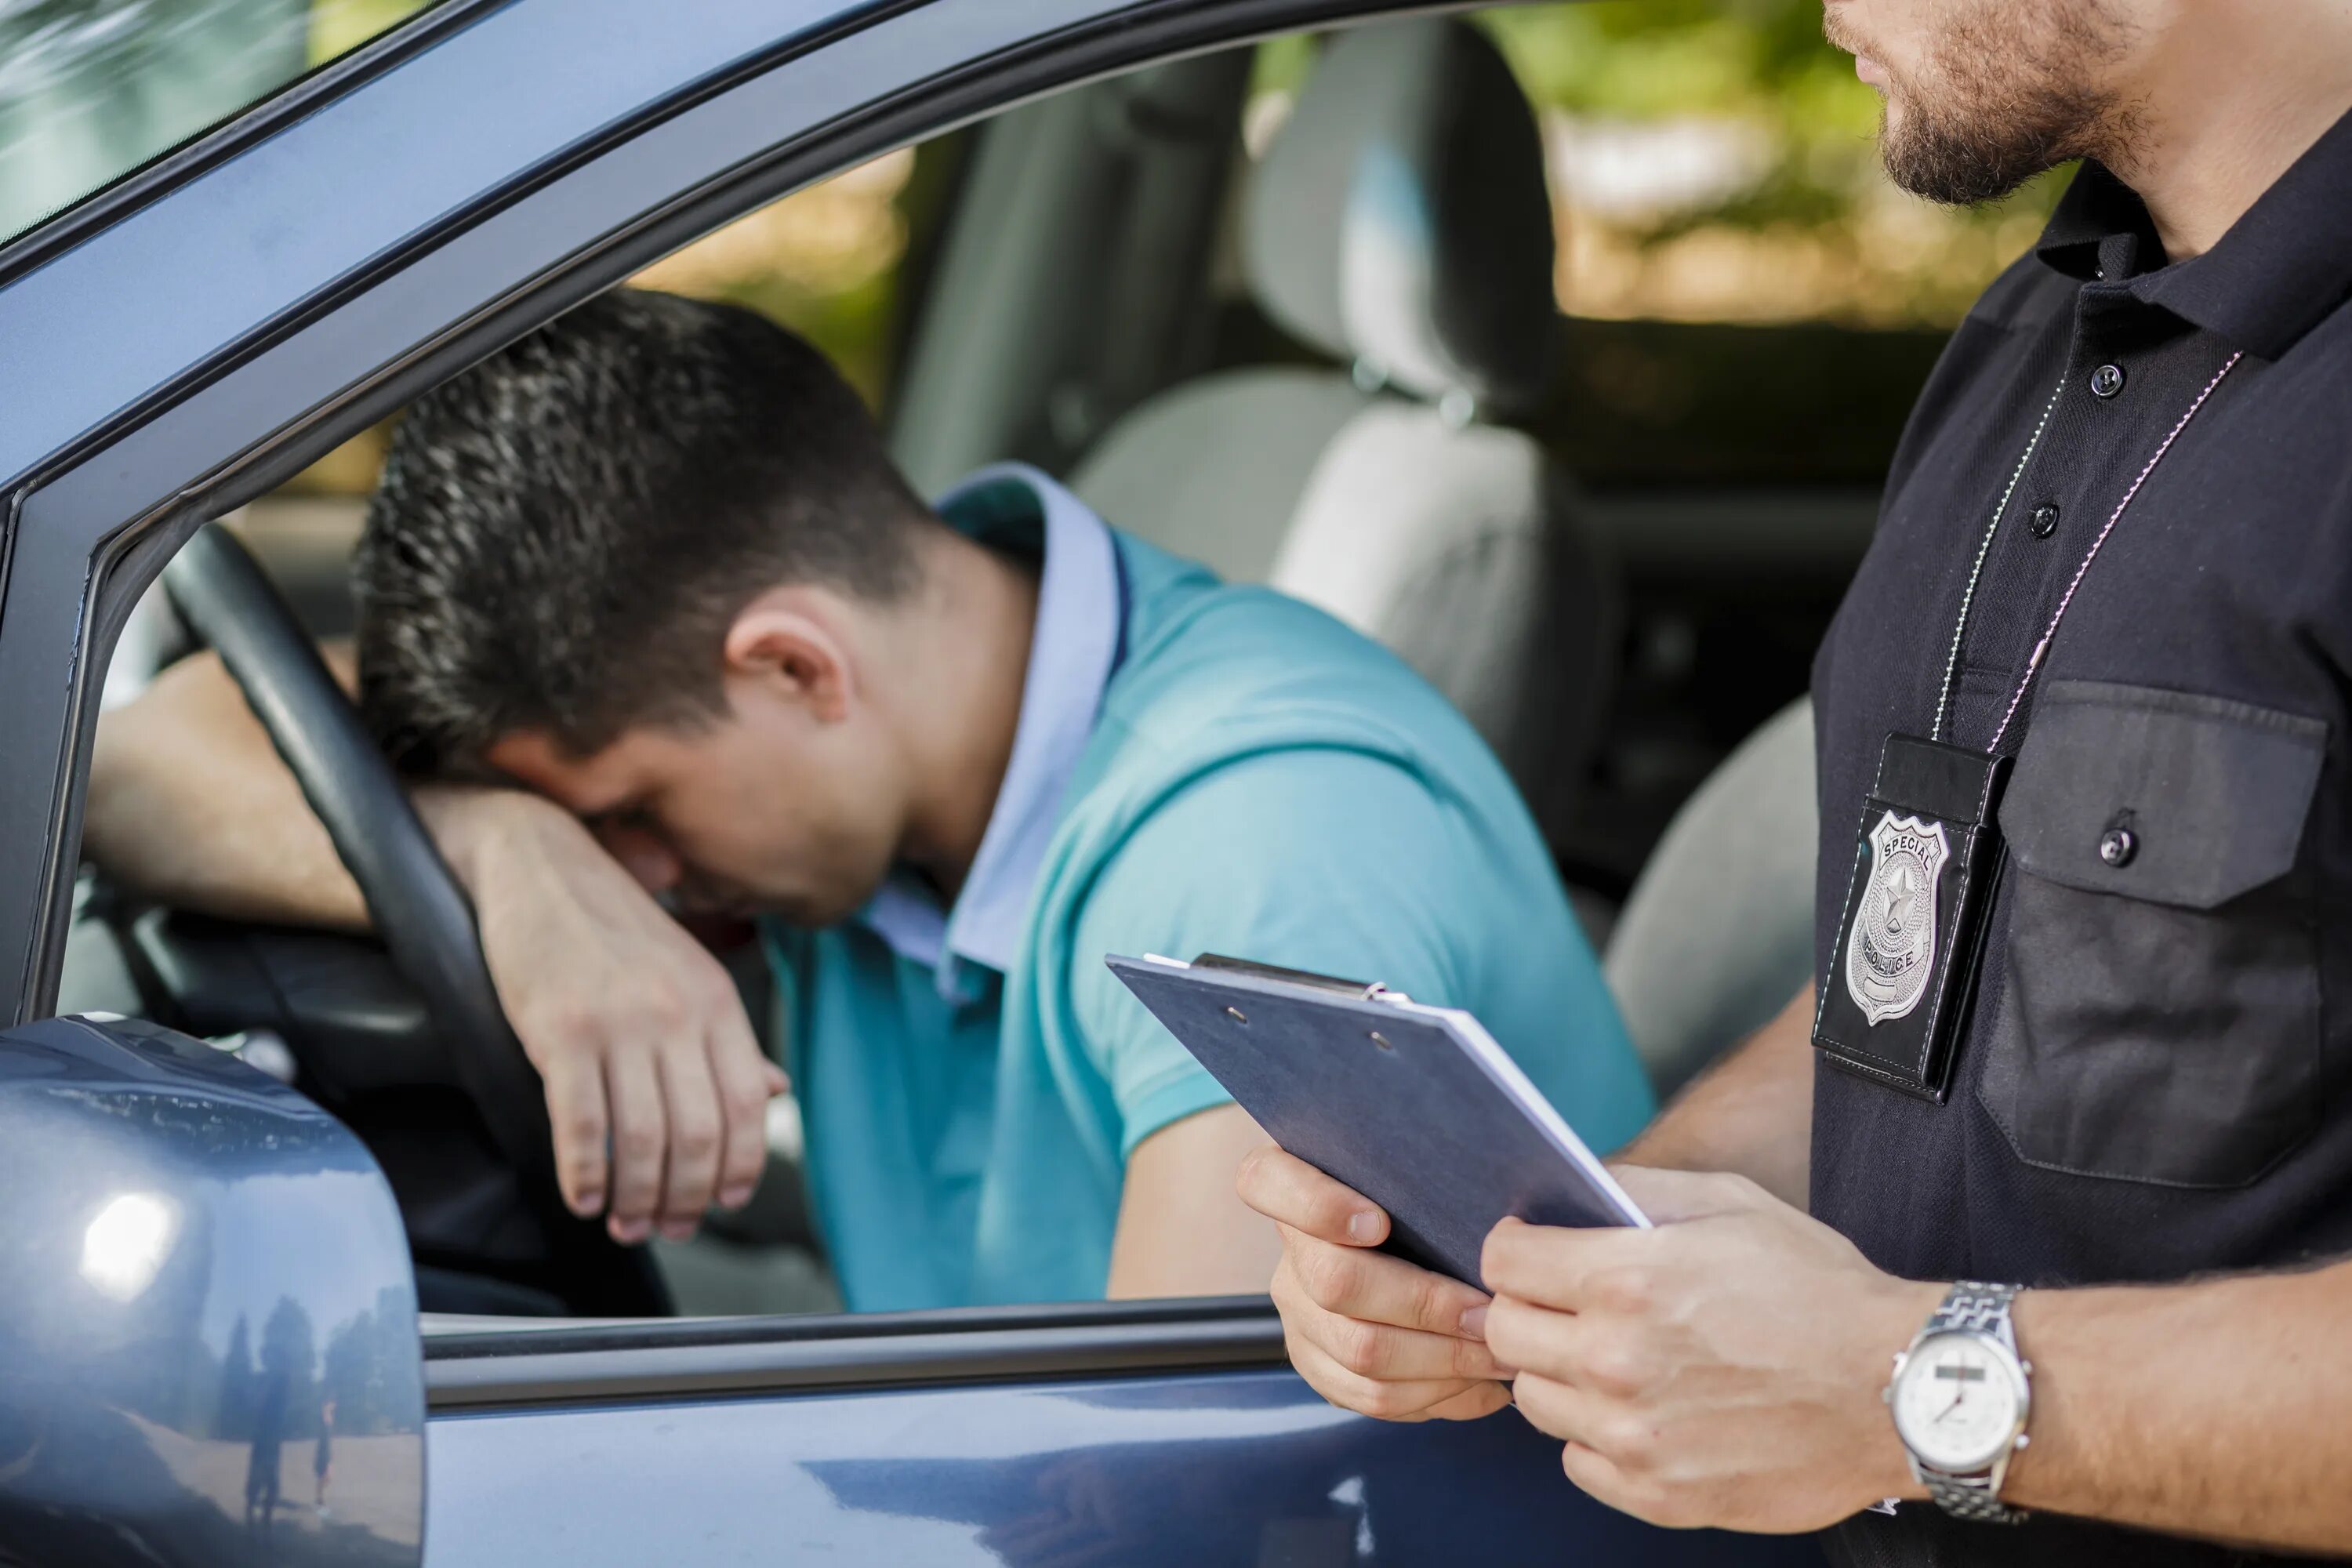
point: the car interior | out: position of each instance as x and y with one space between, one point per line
1323 354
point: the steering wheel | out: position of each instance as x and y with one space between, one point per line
418 909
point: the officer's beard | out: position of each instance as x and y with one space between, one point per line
2011 89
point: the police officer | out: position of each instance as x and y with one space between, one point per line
2071 1098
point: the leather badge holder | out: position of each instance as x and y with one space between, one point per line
1901 972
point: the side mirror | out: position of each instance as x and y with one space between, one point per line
208 1337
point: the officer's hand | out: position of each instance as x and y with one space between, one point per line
636 1030
1722 1369
1368 1332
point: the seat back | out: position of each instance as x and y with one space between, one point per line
1717 934
1399 224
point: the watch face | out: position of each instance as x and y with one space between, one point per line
1957 1402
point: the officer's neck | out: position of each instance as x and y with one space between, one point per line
2223 104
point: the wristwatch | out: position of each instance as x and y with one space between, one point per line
1960 1396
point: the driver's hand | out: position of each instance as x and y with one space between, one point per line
1369 1331
656 1088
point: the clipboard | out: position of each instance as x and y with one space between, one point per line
1415 1107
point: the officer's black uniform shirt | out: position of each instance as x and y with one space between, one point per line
2156 1078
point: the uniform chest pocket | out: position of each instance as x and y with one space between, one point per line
2159 1019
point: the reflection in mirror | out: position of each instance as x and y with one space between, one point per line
208 1343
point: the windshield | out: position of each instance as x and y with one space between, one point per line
89 89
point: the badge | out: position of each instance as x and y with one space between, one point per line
1902 939
1927 854
1891 951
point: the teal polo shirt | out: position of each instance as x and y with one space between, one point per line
1197 768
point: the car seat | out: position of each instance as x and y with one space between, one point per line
1717 933
1400 225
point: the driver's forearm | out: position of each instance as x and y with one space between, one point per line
1751 1113
2213 1409
190 804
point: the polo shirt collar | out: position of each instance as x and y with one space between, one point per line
2281 267
1072 652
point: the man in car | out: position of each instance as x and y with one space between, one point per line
2108 619
648 612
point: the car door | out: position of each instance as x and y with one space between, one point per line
222 317
1127 1434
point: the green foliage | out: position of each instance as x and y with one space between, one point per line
1281 64
1763 61
1650 58
1765 65
337 25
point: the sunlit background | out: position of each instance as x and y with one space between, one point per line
1709 160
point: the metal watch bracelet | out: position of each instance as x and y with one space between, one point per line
1971 1307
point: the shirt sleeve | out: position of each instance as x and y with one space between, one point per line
1329 860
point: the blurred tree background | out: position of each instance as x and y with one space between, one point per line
1715 161
1710 161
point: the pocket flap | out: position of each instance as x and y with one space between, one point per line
2214 792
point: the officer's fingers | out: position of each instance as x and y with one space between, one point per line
1406 1355
747 1081
1379 1289
1615 1456
1602 1478
1399 1401
1380 1351
1555 1345
633 1090
693 1135
575 1114
1475 1402
1572 1413
1286 1189
1554 1265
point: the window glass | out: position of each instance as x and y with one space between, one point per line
89 89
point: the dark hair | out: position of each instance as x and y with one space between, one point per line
564 531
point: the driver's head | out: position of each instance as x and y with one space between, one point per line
645 561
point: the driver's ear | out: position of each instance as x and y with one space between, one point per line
778 644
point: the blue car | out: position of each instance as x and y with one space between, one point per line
284 1274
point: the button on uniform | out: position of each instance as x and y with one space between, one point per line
2117 846
2107 380
2046 519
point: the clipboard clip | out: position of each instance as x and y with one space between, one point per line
1355 990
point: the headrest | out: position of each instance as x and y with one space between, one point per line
1401 218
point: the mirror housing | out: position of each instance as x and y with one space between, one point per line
208 1336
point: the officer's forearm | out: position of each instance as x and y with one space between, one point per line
2213 1409
1752 1113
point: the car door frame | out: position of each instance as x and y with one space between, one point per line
1151 1435
148 444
